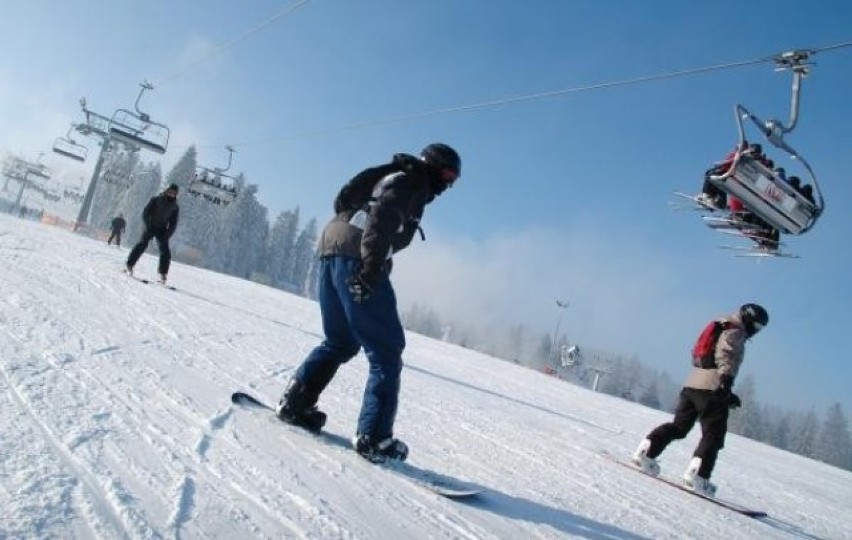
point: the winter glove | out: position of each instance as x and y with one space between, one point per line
360 288
734 401
726 382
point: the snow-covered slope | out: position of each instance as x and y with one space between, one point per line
116 424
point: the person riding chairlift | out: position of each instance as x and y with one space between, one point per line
711 196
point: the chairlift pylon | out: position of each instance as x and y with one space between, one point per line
68 147
137 129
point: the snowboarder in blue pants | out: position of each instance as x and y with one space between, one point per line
377 214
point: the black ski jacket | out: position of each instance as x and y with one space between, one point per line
118 224
161 214
403 189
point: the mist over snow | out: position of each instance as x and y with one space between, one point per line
117 422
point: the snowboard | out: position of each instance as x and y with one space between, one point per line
437 483
148 281
720 502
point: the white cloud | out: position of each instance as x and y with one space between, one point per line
623 294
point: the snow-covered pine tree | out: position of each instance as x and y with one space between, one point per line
833 444
303 253
114 181
282 240
243 234
146 183
805 432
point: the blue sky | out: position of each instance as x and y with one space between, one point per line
560 197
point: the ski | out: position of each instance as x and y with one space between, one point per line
720 502
697 204
434 482
757 252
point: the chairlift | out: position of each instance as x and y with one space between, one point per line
762 190
68 147
207 183
137 129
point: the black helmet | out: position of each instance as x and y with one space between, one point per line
441 156
754 318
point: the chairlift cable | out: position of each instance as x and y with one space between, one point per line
832 47
239 39
530 97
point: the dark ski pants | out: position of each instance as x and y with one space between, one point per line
348 326
162 237
711 410
116 235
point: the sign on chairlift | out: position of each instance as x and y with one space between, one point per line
217 194
767 197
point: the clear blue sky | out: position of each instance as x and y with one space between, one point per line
561 197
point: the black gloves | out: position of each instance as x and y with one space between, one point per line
363 281
734 401
726 382
360 288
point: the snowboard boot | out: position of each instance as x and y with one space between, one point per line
379 452
644 463
297 407
698 484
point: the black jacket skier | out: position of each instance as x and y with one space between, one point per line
116 229
161 218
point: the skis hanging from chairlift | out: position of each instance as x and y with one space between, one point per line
207 184
136 129
767 192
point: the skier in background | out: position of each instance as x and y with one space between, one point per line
707 397
161 218
116 228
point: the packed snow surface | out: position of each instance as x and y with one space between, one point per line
117 424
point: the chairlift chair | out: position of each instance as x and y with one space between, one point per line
208 184
137 128
68 147
762 191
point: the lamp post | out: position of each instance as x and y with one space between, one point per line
562 305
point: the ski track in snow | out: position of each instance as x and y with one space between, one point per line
117 424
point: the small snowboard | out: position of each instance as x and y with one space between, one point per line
721 502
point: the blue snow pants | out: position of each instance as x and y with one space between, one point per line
374 325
